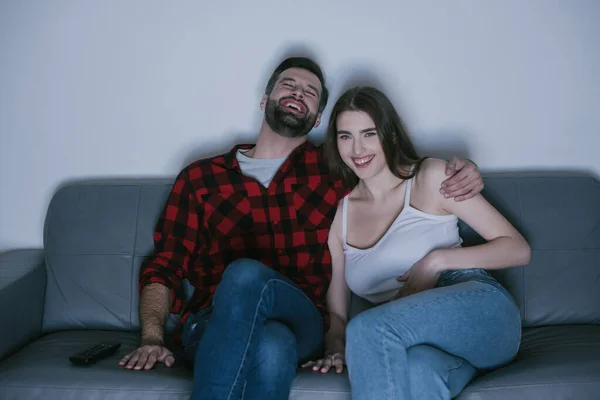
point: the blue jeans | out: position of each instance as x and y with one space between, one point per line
431 344
249 343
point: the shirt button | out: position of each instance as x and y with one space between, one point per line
276 222
280 252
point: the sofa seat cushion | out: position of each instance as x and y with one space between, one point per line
554 362
42 370
310 385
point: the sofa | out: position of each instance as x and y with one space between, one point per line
81 289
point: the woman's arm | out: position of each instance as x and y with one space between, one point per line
505 246
338 293
338 296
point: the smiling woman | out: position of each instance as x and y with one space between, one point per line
395 242
359 148
358 136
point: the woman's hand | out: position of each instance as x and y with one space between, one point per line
420 277
332 360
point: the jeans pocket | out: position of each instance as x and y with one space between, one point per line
450 277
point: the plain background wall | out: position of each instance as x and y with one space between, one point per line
140 88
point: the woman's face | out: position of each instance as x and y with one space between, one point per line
359 145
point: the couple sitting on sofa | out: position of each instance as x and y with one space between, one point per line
273 236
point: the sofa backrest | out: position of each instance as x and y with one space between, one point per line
559 215
97 235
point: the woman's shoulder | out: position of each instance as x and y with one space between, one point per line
336 224
428 181
431 173
340 206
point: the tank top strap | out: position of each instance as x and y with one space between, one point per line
408 188
344 220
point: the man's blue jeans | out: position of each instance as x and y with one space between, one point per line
250 343
430 345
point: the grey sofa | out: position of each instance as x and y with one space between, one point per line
81 289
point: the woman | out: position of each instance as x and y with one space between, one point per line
439 316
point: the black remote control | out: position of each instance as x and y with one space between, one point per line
94 353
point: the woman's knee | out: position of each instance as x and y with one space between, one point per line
425 360
434 373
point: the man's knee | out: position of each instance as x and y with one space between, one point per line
276 355
245 272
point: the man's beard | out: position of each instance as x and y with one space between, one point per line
286 123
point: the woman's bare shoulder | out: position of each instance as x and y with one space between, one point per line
336 225
431 174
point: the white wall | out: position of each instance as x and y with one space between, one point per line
141 88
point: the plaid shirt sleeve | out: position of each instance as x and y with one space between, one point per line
175 242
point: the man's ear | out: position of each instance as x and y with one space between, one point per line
318 120
263 102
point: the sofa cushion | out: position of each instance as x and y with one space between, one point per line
98 232
310 385
43 370
555 362
97 235
22 289
89 241
559 215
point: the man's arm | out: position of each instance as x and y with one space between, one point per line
465 180
155 303
160 282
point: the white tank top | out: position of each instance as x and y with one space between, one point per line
371 273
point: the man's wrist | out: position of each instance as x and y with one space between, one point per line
152 340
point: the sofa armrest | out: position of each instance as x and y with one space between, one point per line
22 292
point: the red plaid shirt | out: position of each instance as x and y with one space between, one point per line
215 215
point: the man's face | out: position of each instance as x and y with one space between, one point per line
291 109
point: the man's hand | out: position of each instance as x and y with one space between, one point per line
336 360
145 356
464 182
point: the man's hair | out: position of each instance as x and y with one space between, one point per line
397 146
304 63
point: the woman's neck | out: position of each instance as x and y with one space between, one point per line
380 186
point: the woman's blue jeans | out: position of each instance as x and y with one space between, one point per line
250 342
431 344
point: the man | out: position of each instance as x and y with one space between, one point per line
249 229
